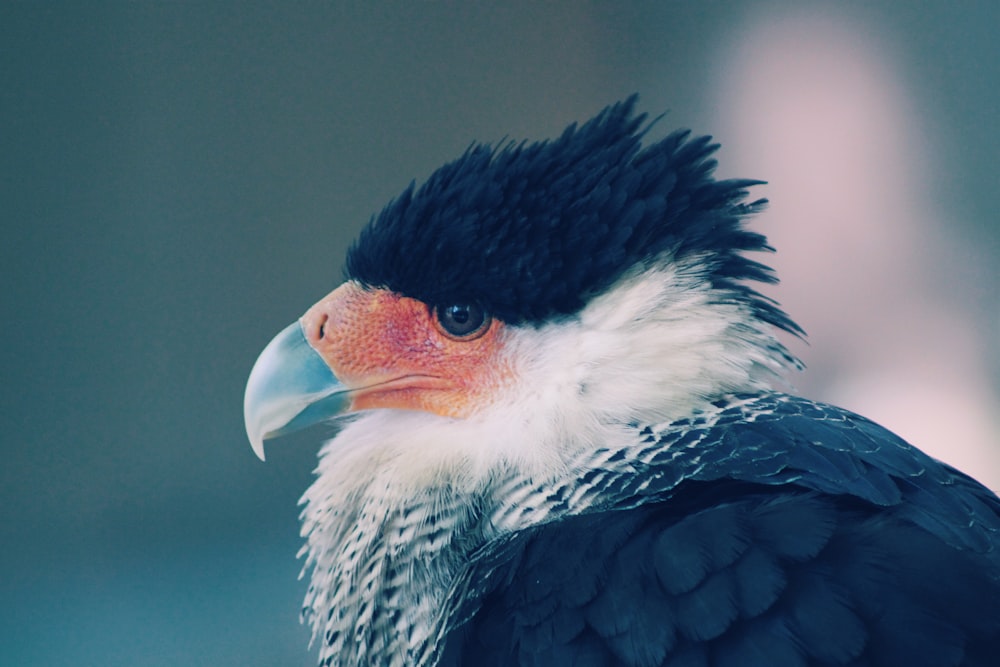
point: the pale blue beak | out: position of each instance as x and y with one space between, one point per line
290 388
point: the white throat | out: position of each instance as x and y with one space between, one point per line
657 346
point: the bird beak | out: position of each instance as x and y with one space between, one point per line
290 388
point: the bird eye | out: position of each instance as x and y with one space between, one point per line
464 320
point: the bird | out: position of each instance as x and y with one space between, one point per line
563 435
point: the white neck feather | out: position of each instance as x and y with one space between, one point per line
657 346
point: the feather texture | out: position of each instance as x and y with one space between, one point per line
635 493
732 565
533 231
712 559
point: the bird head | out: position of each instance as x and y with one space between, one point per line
526 301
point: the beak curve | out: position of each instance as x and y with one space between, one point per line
290 388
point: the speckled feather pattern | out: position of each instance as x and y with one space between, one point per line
765 511
432 573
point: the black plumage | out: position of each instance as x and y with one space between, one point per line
779 532
533 231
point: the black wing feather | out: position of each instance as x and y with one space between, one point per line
789 533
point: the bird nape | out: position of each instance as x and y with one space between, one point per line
563 447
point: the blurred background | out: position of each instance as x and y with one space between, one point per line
178 182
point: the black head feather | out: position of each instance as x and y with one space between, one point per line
533 231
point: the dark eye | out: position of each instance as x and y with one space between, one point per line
463 320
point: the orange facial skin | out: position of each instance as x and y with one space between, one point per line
390 352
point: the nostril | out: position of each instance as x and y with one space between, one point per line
314 326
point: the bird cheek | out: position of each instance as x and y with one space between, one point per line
386 349
455 378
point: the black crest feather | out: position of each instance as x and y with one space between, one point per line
533 231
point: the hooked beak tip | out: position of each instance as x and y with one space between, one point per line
257 445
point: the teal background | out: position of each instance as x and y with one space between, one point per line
178 181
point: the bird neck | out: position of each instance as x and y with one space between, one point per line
380 567
403 498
